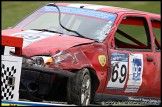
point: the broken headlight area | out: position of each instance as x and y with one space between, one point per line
38 80
41 61
64 57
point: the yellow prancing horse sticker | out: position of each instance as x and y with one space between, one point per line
102 60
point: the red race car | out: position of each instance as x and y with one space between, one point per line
84 53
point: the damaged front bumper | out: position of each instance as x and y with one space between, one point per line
39 82
65 73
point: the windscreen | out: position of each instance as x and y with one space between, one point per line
90 23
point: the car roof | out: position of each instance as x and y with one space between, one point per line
104 8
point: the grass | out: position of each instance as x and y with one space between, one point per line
14 11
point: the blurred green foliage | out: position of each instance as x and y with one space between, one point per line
14 11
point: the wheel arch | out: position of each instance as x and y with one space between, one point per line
94 82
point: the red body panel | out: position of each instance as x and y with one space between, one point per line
58 43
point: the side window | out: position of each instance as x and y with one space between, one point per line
156 26
133 33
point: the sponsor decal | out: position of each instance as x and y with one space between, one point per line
31 36
81 11
119 67
135 72
102 60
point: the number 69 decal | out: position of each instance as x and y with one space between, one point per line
119 71
122 71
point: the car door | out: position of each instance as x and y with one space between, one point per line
132 60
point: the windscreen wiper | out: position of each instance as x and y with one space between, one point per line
47 30
67 28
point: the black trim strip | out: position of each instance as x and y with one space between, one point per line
65 73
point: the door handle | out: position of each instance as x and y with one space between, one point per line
150 59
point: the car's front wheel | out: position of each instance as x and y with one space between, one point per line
79 88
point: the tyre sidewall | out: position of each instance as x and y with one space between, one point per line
74 87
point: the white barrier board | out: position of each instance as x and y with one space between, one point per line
10 77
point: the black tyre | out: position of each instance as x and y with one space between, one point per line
79 88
